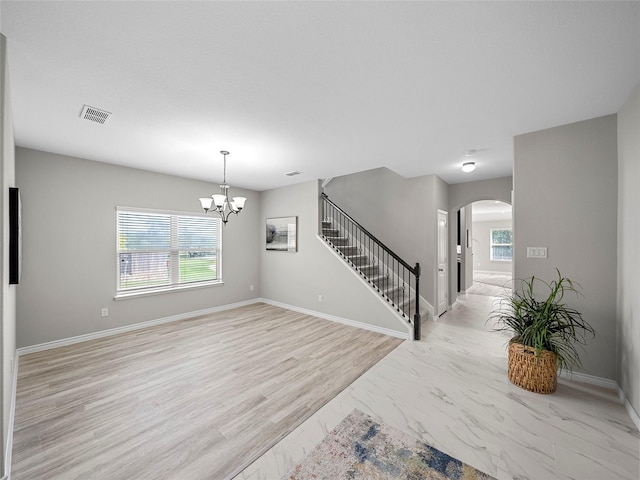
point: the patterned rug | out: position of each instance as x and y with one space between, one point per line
360 448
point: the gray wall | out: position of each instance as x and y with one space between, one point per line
565 199
407 223
482 245
628 311
7 292
461 195
423 196
69 234
298 278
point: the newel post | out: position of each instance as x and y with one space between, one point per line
417 323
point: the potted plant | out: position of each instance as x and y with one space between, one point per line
546 332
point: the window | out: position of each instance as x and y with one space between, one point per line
501 244
160 251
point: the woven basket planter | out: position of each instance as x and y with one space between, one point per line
534 372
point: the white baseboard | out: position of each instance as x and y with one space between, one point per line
182 316
632 413
128 328
590 379
606 383
334 318
430 310
12 413
427 306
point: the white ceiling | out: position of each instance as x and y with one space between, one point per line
490 210
325 88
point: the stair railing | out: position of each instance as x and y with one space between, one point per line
406 279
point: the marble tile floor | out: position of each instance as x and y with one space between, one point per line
492 284
451 390
479 288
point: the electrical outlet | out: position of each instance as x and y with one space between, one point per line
251 288
104 312
319 297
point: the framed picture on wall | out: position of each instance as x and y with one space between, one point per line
281 234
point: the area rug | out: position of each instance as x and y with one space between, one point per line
361 448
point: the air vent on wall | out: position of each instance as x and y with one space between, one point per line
95 114
292 174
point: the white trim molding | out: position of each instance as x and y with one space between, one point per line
590 379
334 318
183 316
12 414
128 328
605 383
409 326
632 413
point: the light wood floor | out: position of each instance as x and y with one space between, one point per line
451 390
194 399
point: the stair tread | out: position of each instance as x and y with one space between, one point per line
395 295
392 291
381 277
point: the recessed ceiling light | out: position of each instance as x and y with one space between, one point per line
293 174
468 167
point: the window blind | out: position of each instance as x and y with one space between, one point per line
164 250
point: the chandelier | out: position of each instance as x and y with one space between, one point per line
219 202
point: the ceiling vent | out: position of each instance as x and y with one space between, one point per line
94 114
292 174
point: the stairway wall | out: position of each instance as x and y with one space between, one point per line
406 224
298 278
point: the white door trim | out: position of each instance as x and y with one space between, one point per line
442 263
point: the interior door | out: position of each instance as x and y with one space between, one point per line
443 262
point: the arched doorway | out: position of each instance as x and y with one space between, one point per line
486 266
460 196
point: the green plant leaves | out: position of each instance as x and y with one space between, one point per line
544 323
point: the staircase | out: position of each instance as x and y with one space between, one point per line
390 276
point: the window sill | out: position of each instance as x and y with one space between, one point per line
163 290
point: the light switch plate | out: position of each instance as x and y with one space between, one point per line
536 252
